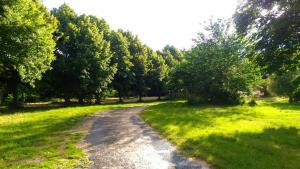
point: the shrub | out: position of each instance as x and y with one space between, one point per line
215 70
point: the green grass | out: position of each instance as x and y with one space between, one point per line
266 136
41 137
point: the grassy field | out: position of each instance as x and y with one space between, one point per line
266 136
41 137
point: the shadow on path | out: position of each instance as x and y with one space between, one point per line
120 139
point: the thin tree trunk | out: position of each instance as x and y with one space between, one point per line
291 100
140 97
80 100
67 100
159 97
16 98
120 97
1 96
98 98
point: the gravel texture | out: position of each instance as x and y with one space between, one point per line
120 139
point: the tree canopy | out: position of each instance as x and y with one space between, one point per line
79 57
215 70
274 27
121 57
27 44
83 66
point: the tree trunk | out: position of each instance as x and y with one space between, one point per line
16 98
67 100
98 99
291 100
140 98
159 97
120 97
1 96
80 100
171 94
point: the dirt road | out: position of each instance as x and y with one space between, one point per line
120 139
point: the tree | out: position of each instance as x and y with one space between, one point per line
83 67
27 43
103 26
177 54
215 70
122 58
170 59
284 84
296 93
274 27
157 75
140 64
62 78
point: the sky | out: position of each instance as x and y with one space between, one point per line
156 22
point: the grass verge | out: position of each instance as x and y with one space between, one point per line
41 137
235 137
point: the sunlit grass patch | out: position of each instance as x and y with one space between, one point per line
263 136
41 137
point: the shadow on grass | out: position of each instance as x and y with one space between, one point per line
272 148
4 110
285 106
183 115
30 109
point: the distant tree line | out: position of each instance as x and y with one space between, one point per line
60 54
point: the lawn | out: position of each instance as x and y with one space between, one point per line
266 136
41 137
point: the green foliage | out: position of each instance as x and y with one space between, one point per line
286 84
170 59
296 95
103 26
27 44
173 57
158 74
121 57
296 92
282 85
260 137
216 71
177 54
274 27
140 62
83 67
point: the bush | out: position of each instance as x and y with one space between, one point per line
215 70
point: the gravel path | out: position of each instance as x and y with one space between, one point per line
120 139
